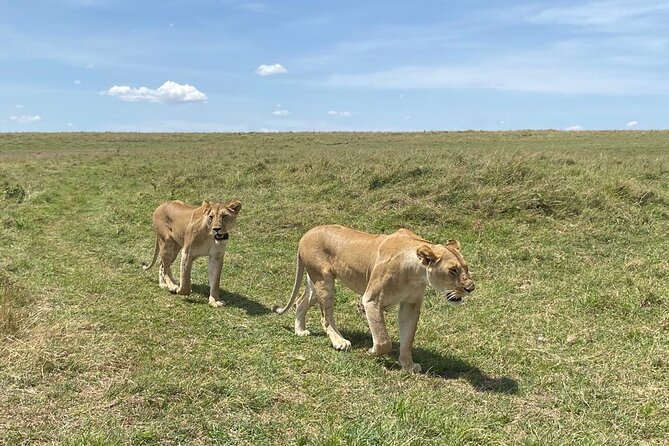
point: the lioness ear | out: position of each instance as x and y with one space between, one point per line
234 206
426 255
453 244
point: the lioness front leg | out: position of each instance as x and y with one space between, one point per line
377 325
408 321
184 272
215 266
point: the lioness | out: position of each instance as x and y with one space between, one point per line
385 270
197 231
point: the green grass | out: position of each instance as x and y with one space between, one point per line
566 340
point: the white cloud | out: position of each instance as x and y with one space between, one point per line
269 70
19 106
574 128
531 73
77 82
170 93
562 63
601 13
69 124
25 119
87 3
257 7
280 111
343 113
632 124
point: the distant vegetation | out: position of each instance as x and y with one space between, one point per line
566 340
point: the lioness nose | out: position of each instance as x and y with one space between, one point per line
469 288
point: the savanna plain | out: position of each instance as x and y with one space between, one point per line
565 341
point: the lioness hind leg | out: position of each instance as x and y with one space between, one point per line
307 301
168 253
324 293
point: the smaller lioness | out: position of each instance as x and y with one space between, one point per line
386 270
197 232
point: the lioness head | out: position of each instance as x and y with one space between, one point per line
220 217
447 271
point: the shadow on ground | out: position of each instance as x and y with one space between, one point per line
200 295
443 366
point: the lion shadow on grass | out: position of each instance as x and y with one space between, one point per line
200 295
443 366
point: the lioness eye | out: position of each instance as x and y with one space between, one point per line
454 271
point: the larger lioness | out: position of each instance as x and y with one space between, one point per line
386 270
196 231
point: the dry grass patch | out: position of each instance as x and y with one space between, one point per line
14 302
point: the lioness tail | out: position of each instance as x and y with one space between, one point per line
299 274
155 256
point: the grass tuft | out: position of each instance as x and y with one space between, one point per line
14 192
636 194
13 307
411 176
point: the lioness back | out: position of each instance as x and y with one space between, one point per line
174 217
340 251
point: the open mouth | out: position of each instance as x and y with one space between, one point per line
219 236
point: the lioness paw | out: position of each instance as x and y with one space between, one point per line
183 291
302 332
380 349
344 344
412 368
215 303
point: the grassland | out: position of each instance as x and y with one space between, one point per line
566 340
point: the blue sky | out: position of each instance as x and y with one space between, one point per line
237 65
